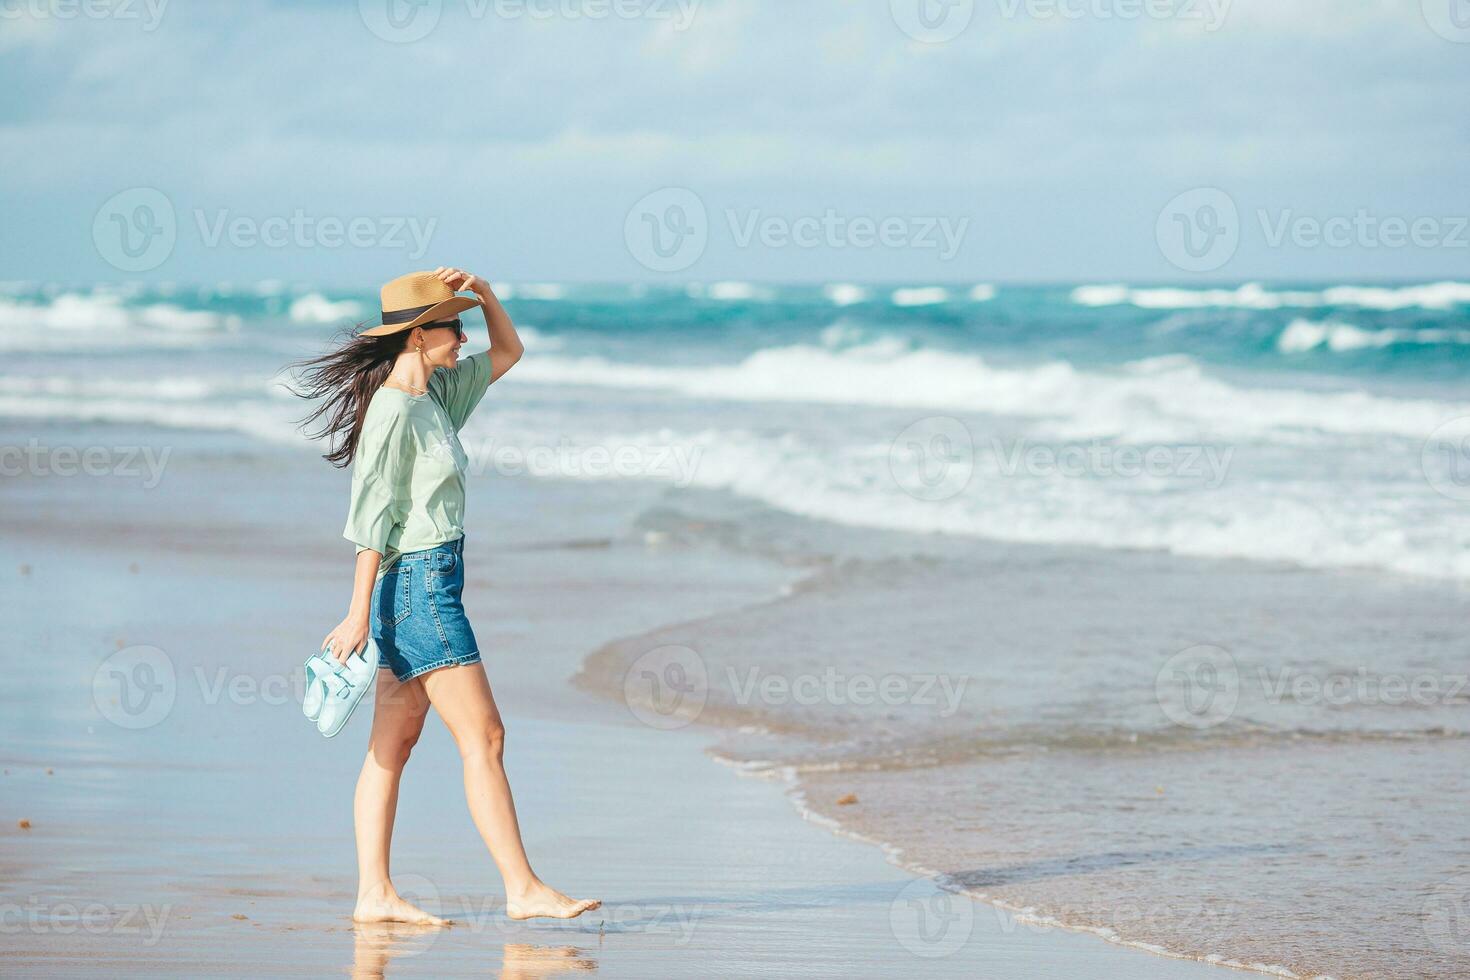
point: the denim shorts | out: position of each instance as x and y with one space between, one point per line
418 619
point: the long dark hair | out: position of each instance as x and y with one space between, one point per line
345 380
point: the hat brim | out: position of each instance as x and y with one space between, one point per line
439 311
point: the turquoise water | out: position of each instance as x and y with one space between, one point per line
1318 424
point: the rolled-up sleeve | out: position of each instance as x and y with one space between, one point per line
382 471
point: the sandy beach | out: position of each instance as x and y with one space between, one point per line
183 820
955 490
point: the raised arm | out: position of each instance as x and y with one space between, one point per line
505 344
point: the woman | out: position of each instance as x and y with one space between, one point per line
396 396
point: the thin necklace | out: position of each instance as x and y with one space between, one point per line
404 385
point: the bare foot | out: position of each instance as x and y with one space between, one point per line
383 904
541 900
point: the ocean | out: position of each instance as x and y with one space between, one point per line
1134 609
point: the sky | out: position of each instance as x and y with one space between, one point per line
765 140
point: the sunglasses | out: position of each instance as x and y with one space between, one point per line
455 323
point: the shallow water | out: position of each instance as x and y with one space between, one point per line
1016 721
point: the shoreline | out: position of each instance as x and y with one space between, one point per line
193 815
817 757
796 794
1018 912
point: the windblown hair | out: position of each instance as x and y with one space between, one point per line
344 381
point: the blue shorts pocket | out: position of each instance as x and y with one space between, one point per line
393 599
443 563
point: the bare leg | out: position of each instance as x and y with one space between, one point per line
398 718
463 699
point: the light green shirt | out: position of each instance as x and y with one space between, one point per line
408 471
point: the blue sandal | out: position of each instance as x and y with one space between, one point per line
334 690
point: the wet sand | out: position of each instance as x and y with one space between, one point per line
185 820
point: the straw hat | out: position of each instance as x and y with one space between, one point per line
416 299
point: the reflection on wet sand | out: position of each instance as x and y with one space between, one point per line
524 961
376 944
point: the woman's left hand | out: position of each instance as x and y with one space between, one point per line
350 636
459 280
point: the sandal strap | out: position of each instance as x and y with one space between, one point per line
329 673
